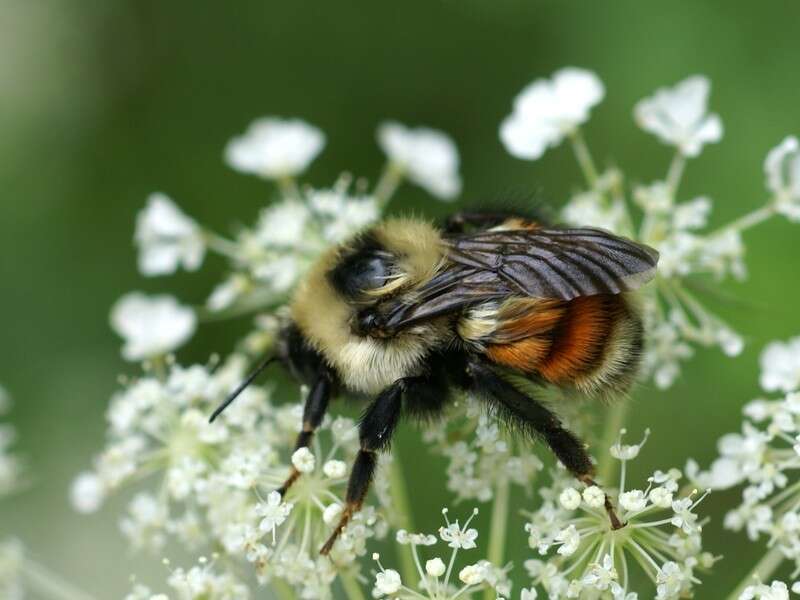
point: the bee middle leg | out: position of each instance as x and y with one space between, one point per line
375 432
316 404
524 410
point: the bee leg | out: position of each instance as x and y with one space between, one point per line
375 431
531 416
315 407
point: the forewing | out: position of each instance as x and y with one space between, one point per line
560 264
557 263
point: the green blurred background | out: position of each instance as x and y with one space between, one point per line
102 102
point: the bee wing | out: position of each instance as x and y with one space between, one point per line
553 263
557 263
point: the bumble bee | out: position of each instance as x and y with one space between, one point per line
406 313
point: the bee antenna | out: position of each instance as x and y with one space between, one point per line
256 372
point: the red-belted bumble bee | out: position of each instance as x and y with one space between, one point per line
405 313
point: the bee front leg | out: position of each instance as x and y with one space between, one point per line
316 404
534 418
375 432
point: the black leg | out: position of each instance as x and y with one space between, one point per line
520 409
375 431
316 405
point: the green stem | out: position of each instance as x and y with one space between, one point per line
50 585
747 221
760 572
615 420
584 157
497 529
675 172
220 245
351 587
288 187
390 180
403 517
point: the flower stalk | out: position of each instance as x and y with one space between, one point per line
498 527
403 514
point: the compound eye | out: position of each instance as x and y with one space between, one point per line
361 273
369 273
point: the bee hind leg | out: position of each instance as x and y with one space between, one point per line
315 407
521 410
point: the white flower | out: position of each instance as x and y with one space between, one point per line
273 513
547 110
782 170
405 538
692 214
388 582
274 148
87 492
303 460
151 325
670 580
334 468
457 536
332 513
776 591
780 366
660 497
167 238
435 567
570 498
472 574
622 451
569 538
678 116
283 225
684 518
594 496
342 214
426 156
633 500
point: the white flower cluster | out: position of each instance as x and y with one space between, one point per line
548 111
765 457
10 464
198 583
661 537
481 455
267 259
437 580
211 485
